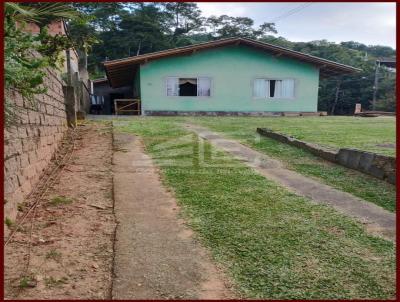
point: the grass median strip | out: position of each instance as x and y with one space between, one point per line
364 186
273 243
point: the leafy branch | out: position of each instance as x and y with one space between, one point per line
26 56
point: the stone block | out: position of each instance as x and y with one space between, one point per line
42 119
11 165
23 118
13 147
22 132
49 109
24 160
28 172
328 155
28 144
26 187
376 172
32 157
391 178
366 161
9 185
21 179
342 157
353 158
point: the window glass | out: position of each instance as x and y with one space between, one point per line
260 88
276 89
188 86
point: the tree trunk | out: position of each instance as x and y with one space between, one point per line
138 50
376 81
336 97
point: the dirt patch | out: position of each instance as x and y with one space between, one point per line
64 248
168 262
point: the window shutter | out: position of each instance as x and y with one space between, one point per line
172 86
288 89
278 89
204 87
260 88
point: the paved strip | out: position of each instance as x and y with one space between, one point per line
156 256
377 220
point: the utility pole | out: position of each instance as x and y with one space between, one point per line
377 66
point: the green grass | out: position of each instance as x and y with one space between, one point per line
53 282
335 132
273 244
364 186
9 223
27 281
60 200
54 255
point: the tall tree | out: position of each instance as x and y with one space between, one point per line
129 29
184 17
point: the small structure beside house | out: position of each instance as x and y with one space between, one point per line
233 76
105 94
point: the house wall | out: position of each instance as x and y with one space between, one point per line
32 140
232 70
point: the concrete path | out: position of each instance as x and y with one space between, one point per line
377 220
156 256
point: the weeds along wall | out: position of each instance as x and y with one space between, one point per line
31 141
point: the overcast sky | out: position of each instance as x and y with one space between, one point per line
368 23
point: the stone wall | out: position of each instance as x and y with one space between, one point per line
30 144
379 166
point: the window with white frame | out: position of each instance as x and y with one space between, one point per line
200 86
273 88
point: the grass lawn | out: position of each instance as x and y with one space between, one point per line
273 244
335 132
318 130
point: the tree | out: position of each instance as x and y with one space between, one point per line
129 29
225 26
25 55
183 17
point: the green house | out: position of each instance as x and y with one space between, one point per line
233 76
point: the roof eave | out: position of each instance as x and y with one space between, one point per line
323 64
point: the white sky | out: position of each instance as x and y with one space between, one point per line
369 23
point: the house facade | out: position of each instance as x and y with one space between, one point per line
238 76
